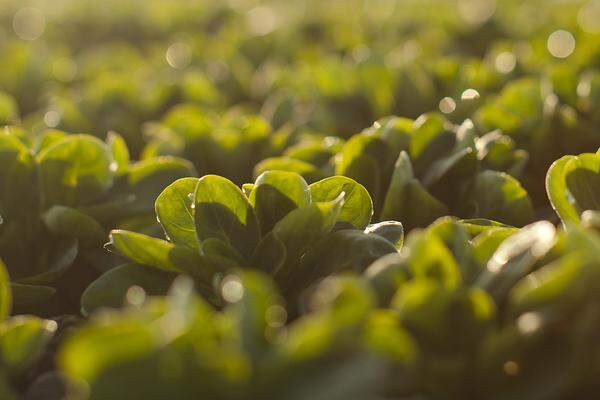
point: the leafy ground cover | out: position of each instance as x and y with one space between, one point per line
358 199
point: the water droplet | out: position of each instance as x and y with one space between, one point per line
529 323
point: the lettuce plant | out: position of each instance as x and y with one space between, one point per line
62 193
229 145
23 343
295 232
246 351
419 171
515 301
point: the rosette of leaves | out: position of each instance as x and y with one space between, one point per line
573 186
418 171
246 351
229 145
515 309
544 123
61 195
23 344
295 232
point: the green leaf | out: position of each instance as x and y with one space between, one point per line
5 294
18 187
62 256
500 197
407 200
145 250
516 257
22 341
573 186
357 210
395 200
300 230
120 152
387 274
70 222
430 312
110 289
76 170
275 194
344 250
430 258
223 212
175 212
147 178
27 297
392 231
364 170
307 170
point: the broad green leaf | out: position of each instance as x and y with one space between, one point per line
110 289
275 194
430 312
5 294
219 249
270 254
70 222
430 140
392 231
307 170
18 186
395 199
487 242
28 297
175 212
478 226
223 212
359 146
257 312
75 170
145 250
22 341
357 210
385 336
516 257
365 170
300 230
119 150
429 258
344 250
500 197
148 178
573 186
387 274
61 258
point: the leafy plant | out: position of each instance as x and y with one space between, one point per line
418 171
295 232
62 193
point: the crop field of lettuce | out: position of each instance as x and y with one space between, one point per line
299 199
